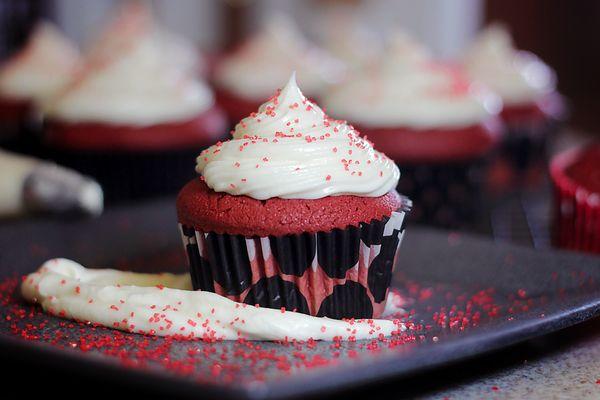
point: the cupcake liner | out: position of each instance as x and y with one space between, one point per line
576 222
128 175
446 195
344 273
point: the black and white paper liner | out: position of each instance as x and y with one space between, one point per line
344 273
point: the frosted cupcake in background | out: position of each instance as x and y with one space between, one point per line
428 117
296 210
136 117
137 18
346 37
527 86
28 79
252 72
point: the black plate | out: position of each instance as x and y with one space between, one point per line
519 293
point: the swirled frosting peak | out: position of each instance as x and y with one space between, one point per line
517 76
291 149
43 67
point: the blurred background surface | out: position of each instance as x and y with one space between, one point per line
563 34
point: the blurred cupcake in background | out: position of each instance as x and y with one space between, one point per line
527 86
576 177
348 38
136 117
252 72
439 127
28 79
135 18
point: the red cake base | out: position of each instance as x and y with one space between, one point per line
200 207
435 145
204 129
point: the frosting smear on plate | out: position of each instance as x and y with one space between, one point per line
166 305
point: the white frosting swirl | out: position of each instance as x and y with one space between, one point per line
518 77
165 305
43 67
346 37
407 89
291 149
132 78
136 19
263 64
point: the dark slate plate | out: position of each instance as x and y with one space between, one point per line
518 293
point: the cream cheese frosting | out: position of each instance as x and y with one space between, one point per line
406 88
263 64
291 149
165 305
48 61
518 77
347 38
136 19
135 75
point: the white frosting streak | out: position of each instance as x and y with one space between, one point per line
263 64
165 305
291 149
518 77
407 89
48 61
137 74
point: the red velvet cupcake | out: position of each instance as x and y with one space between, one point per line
576 178
253 71
527 86
134 119
438 126
296 211
28 79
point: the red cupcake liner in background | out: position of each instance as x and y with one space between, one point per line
344 273
576 224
